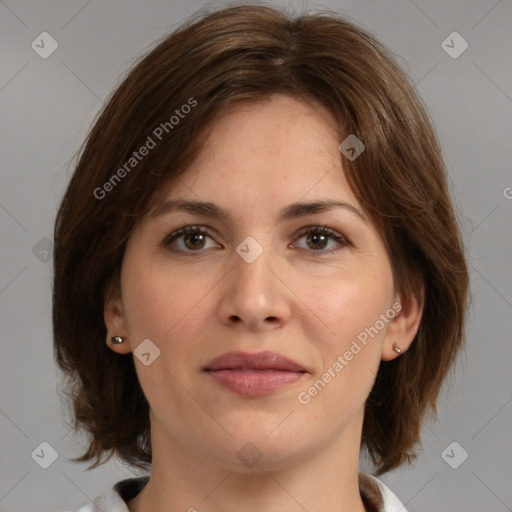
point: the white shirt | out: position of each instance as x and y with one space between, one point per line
376 496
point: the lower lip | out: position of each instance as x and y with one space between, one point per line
254 383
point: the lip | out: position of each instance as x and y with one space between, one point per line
254 374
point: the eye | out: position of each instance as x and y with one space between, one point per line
318 238
195 239
189 239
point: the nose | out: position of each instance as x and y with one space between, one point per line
254 295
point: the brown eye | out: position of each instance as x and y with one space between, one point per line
194 240
189 239
317 241
322 240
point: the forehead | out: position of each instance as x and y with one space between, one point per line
283 128
280 150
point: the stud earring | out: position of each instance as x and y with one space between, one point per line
117 339
397 349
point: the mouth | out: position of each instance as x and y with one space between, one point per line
254 374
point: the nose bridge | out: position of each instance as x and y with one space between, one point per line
251 261
253 294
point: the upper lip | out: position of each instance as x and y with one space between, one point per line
254 361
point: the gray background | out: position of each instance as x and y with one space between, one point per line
48 106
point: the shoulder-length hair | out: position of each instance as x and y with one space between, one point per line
213 61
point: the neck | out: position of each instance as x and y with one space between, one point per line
326 479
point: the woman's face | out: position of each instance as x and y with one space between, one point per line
310 283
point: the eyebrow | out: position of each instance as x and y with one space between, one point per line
291 211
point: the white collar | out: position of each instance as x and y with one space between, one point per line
377 497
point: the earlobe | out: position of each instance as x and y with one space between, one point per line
113 314
397 349
403 328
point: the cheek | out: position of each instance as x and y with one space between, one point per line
347 304
351 306
159 300
350 349
167 309
171 309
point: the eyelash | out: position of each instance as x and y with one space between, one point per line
317 230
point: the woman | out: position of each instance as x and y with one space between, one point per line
258 271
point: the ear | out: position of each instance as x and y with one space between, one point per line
113 314
403 327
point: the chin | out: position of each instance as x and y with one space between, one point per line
252 459
254 451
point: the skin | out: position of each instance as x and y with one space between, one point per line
296 298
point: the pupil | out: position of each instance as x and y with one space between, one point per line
316 238
197 240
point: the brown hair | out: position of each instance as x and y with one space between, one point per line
249 53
